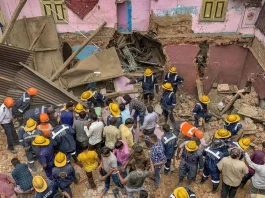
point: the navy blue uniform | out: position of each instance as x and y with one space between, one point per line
212 157
97 100
51 190
169 141
64 177
62 138
34 114
233 127
201 111
21 105
119 120
175 80
46 157
67 117
168 102
189 164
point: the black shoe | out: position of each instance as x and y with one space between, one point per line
116 192
12 151
214 189
16 143
77 178
203 180
242 185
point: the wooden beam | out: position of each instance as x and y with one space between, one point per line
235 97
121 93
33 44
199 85
68 61
44 49
12 21
60 80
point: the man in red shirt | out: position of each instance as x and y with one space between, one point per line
258 158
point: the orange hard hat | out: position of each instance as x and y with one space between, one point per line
199 134
44 117
32 91
9 102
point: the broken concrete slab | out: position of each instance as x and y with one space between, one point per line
158 109
253 112
97 67
222 87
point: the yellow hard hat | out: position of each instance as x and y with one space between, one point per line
39 184
167 86
173 70
60 159
181 192
41 141
232 118
244 143
79 107
205 99
30 125
148 72
114 108
86 95
222 133
191 146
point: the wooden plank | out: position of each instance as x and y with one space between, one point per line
199 87
12 22
33 44
232 101
54 85
121 93
68 61
44 49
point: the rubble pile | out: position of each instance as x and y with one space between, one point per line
185 105
251 99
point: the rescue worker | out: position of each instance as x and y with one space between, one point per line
43 189
149 81
67 116
78 108
191 158
62 138
6 121
63 173
169 141
93 98
224 135
182 192
115 112
35 113
242 144
213 154
168 102
22 104
201 111
173 78
233 125
44 125
45 154
28 137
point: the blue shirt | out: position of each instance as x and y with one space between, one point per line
22 176
46 155
67 117
233 127
51 190
125 114
63 176
157 153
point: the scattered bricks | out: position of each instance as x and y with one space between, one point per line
223 87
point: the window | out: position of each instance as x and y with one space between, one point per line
57 6
213 10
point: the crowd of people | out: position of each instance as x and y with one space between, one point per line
101 138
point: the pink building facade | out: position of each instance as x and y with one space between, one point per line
139 15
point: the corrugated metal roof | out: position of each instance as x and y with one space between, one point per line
14 78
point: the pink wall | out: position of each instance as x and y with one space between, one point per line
140 14
233 16
103 10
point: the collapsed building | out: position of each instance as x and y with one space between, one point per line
217 46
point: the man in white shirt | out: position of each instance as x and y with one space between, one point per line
150 121
94 133
7 124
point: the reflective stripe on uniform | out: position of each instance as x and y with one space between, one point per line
200 105
175 77
214 154
171 138
237 126
168 74
215 181
42 109
204 175
170 94
24 97
58 132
